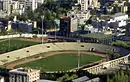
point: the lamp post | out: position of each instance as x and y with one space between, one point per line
9 41
78 41
8 33
55 32
55 25
42 17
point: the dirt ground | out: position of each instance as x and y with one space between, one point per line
12 65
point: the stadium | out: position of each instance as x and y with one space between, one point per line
59 56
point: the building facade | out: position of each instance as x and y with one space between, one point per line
24 75
85 4
24 27
65 26
118 19
68 25
19 6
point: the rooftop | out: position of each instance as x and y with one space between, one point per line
118 14
22 70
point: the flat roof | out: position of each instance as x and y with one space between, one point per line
22 70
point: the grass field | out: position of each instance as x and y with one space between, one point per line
14 45
61 62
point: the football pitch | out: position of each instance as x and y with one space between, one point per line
14 44
61 62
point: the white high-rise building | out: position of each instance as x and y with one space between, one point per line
31 3
85 4
19 6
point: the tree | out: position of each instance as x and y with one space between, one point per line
66 77
109 54
116 55
120 76
120 43
63 78
22 17
73 76
93 11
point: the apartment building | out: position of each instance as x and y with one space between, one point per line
19 6
85 4
24 75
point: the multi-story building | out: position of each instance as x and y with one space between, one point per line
24 75
24 27
65 26
119 19
85 4
33 4
115 24
85 7
68 25
18 6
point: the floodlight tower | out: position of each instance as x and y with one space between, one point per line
42 17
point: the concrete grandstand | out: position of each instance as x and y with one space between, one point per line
41 48
47 47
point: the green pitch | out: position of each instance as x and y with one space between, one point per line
10 45
61 62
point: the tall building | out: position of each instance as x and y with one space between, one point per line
30 3
65 26
24 75
19 6
68 25
85 4
33 4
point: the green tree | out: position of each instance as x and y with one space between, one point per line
73 76
66 77
63 78
116 55
120 43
